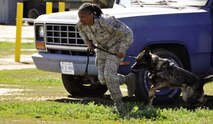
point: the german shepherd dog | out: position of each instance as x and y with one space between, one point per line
163 72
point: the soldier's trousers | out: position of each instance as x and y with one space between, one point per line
107 65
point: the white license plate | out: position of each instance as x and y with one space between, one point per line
67 68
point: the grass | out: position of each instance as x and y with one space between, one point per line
57 111
30 77
43 99
8 48
24 107
97 113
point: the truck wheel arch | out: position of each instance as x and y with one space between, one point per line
178 49
164 95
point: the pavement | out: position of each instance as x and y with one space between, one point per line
8 34
8 63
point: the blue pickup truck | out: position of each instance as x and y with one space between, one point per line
180 30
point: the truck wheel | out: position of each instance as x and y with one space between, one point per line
77 86
163 95
33 14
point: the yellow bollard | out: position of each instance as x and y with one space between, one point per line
19 18
61 6
49 7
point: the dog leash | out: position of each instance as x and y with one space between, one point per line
89 52
104 50
96 47
86 69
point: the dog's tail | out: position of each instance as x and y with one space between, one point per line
208 79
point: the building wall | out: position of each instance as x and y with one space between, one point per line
8 11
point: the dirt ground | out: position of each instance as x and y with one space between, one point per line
50 93
59 94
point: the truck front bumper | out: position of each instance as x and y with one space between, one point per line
51 63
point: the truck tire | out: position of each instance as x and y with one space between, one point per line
163 95
76 86
33 9
33 14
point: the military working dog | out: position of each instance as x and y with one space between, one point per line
163 72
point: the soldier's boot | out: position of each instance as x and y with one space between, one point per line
130 80
120 108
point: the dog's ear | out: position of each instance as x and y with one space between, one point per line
147 51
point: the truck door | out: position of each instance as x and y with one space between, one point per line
212 36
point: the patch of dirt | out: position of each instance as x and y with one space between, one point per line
47 93
59 94
31 93
9 91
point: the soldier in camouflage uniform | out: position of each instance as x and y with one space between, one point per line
114 36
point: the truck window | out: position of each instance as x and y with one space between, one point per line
172 3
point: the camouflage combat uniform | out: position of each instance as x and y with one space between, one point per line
110 34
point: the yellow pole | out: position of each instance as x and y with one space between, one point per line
49 7
61 6
19 18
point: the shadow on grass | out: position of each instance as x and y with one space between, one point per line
134 106
106 100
